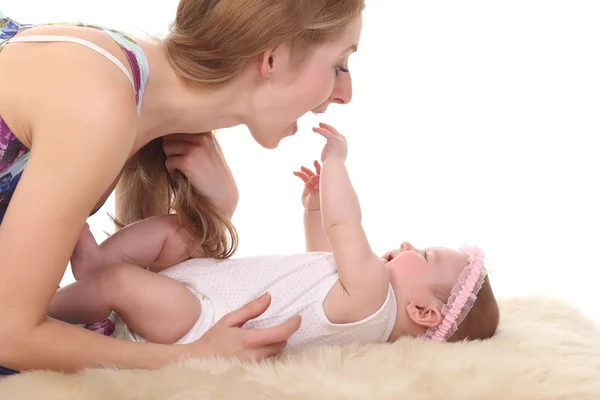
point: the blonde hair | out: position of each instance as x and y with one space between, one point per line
482 320
148 190
211 42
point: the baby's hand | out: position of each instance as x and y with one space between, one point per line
310 196
336 146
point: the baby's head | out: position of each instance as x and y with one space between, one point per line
432 284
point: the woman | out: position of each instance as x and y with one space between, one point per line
72 128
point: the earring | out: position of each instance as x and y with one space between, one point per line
269 79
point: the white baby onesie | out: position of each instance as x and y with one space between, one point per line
298 284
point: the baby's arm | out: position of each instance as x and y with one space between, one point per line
362 273
314 235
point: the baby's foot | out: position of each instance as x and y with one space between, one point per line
86 257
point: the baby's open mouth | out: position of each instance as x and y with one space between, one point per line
388 257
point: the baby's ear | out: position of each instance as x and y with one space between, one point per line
427 316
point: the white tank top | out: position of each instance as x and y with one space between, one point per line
298 284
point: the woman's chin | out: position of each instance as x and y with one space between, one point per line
271 141
291 130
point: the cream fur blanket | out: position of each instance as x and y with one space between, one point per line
544 350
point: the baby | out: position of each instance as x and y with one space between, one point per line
342 290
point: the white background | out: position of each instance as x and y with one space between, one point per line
472 122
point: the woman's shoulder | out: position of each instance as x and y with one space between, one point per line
71 42
42 76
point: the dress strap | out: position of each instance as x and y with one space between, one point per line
90 45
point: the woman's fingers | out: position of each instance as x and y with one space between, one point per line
178 144
175 148
262 342
188 138
175 163
268 336
228 338
247 312
266 351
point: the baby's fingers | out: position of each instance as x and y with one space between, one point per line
313 187
307 171
324 132
329 128
317 167
302 176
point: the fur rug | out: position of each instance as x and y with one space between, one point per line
544 349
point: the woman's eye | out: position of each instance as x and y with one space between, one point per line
340 69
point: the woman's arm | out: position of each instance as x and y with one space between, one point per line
82 133
83 125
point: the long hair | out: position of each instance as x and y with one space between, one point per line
148 189
212 41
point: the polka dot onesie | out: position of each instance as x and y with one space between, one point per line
298 284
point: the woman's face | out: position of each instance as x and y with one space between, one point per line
298 87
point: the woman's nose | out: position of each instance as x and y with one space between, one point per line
342 92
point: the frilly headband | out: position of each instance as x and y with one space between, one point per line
463 295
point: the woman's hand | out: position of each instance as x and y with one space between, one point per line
310 195
200 158
228 339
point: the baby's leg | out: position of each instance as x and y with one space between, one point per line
87 256
155 241
154 306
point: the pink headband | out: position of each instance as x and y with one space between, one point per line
463 295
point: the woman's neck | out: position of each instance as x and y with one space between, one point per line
169 106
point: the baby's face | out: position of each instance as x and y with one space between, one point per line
414 271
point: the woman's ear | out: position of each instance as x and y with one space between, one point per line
427 316
267 64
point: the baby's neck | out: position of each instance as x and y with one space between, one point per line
396 333
404 326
